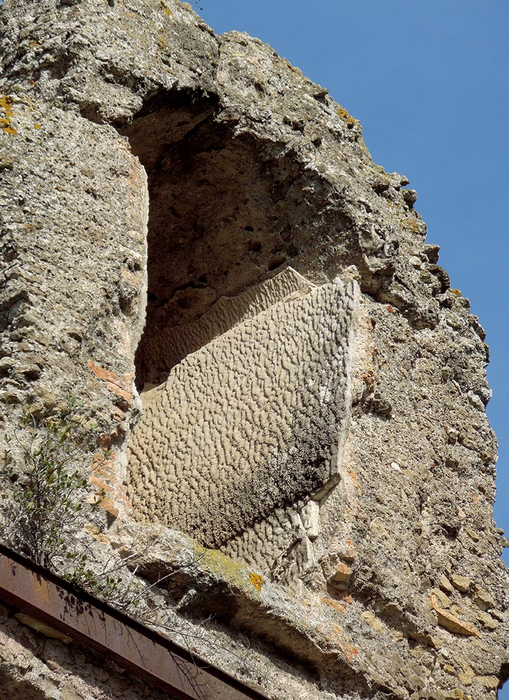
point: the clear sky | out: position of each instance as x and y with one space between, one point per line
429 83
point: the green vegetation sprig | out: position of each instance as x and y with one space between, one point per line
41 488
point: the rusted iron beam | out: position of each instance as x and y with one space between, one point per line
95 624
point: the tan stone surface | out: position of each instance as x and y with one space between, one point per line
461 583
171 344
452 622
254 420
150 169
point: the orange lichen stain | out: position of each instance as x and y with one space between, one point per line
5 122
353 476
390 309
257 580
334 604
411 225
342 112
475 498
369 381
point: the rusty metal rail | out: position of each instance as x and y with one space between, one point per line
95 624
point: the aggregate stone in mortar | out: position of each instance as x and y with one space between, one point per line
150 168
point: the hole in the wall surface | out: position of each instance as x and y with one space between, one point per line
255 246
210 190
228 211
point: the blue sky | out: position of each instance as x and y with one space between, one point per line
429 83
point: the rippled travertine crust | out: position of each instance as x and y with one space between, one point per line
171 344
253 421
151 172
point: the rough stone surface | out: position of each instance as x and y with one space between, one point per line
171 344
36 667
150 171
231 438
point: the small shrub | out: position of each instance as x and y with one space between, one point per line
42 488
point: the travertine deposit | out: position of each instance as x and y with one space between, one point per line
187 210
171 344
228 444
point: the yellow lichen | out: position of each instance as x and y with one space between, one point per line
5 122
166 10
373 621
412 225
37 126
227 569
342 112
257 580
222 566
456 292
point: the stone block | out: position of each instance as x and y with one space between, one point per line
254 420
341 578
461 583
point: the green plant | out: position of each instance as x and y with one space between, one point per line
43 491
42 487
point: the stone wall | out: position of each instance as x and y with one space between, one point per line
35 667
153 173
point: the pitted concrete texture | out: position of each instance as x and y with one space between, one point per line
172 343
252 422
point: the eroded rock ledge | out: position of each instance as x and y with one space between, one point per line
155 178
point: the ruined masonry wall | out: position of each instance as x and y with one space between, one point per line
249 168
